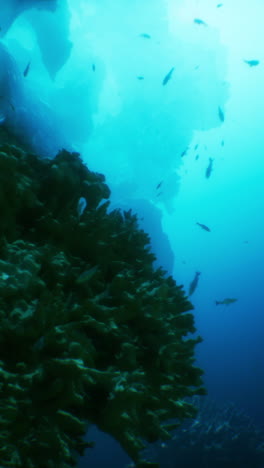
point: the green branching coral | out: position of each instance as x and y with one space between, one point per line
89 331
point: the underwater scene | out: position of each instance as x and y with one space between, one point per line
131 234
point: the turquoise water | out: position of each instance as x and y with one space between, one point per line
147 92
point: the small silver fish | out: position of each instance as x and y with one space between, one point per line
82 203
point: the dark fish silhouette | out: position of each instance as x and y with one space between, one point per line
145 35
167 77
209 168
196 157
93 67
219 5
194 283
252 63
221 114
184 152
159 185
204 227
140 77
222 143
25 73
196 146
199 21
226 301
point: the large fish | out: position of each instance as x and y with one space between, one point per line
226 301
194 283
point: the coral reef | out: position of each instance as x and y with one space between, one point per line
219 437
90 332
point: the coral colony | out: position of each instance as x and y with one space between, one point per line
90 332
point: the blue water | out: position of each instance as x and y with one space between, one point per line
96 85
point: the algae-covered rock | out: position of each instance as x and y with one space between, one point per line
90 332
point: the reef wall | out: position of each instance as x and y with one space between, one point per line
90 331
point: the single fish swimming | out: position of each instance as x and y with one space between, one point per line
159 185
140 77
209 168
221 114
204 227
226 301
184 152
25 72
252 63
145 35
199 21
194 283
167 77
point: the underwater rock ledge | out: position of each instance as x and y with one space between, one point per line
90 332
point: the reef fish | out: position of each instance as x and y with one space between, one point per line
252 63
221 114
81 205
194 283
226 301
167 77
209 168
25 72
159 184
184 152
87 275
145 35
199 21
204 227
